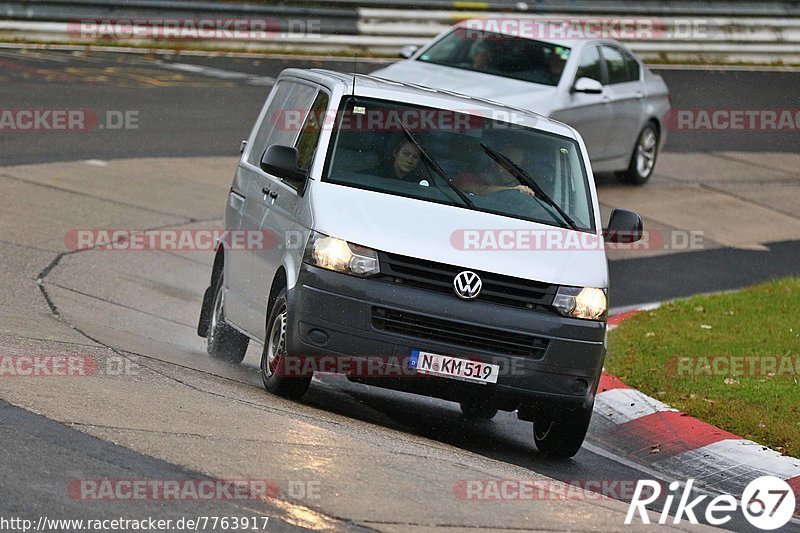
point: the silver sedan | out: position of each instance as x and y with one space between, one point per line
597 86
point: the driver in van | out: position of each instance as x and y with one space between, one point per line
492 177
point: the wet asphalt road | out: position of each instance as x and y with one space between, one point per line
202 115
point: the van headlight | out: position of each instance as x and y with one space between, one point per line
336 254
581 302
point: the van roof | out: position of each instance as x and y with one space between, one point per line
413 93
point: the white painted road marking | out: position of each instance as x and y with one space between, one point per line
219 73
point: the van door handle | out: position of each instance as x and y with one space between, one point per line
273 195
265 190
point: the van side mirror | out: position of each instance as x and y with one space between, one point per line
588 86
408 50
623 227
281 161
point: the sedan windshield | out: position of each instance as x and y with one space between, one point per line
452 158
498 54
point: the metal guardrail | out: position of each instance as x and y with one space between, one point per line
331 20
738 31
766 8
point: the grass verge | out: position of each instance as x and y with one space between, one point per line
732 360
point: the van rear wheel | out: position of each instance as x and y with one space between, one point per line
224 342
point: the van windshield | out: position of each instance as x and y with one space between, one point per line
460 159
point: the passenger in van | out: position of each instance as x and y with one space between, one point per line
401 162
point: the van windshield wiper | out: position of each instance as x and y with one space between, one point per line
436 167
526 179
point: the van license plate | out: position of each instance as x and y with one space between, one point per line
453 367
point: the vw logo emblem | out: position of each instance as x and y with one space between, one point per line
467 285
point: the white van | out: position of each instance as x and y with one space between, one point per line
418 240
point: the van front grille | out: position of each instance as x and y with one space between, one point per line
429 275
458 333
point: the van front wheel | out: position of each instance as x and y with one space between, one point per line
560 433
274 370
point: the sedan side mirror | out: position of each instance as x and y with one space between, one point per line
408 50
588 86
281 161
623 227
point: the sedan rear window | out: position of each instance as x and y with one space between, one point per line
500 55
622 68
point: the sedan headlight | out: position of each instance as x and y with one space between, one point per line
342 256
581 302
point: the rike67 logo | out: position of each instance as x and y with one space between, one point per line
767 503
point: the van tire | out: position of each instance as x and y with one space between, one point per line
560 433
224 342
274 354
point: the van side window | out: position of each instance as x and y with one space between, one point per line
309 136
283 118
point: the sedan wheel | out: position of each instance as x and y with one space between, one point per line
643 161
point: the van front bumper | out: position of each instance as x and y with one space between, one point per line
339 316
